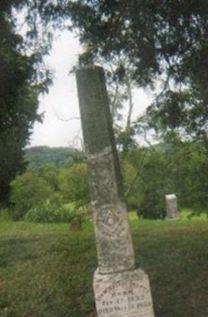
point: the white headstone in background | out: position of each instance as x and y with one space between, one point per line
171 206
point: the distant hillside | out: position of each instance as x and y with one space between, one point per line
40 156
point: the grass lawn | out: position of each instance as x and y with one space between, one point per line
46 270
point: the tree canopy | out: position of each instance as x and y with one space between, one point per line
160 44
166 45
20 86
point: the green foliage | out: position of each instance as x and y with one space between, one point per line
154 185
28 191
174 167
155 44
73 184
39 157
160 40
50 174
18 107
149 174
152 205
47 188
131 184
180 112
48 212
191 174
147 182
20 86
125 139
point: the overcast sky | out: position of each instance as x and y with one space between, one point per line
61 126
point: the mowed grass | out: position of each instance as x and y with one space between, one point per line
47 270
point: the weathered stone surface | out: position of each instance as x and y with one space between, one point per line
120 290
96 121
114 247
125 294
113 239
171 206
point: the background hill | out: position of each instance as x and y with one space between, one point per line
40 156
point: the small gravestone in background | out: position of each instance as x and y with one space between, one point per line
171 206
120 289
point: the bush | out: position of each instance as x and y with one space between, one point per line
27 191
73 184
49 212
152 205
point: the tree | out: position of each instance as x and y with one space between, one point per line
164 41
18 105
20 86
150 180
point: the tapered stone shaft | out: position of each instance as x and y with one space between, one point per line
120 289
113 239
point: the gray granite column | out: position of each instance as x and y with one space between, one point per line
120 289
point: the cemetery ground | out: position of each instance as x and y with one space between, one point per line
47 270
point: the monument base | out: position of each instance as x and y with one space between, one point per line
123 294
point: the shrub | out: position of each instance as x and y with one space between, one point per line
73 184
49 212
27 191
152 205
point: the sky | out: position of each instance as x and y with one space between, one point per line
61 125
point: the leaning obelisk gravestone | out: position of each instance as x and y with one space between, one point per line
120 289
171 206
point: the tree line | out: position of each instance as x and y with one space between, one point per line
155 44
149 174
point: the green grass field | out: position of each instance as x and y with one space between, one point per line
46 270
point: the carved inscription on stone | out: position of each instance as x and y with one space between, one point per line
125 294
114 246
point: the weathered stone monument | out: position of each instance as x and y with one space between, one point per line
171 206
120 289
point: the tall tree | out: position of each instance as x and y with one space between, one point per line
19 91
165 41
